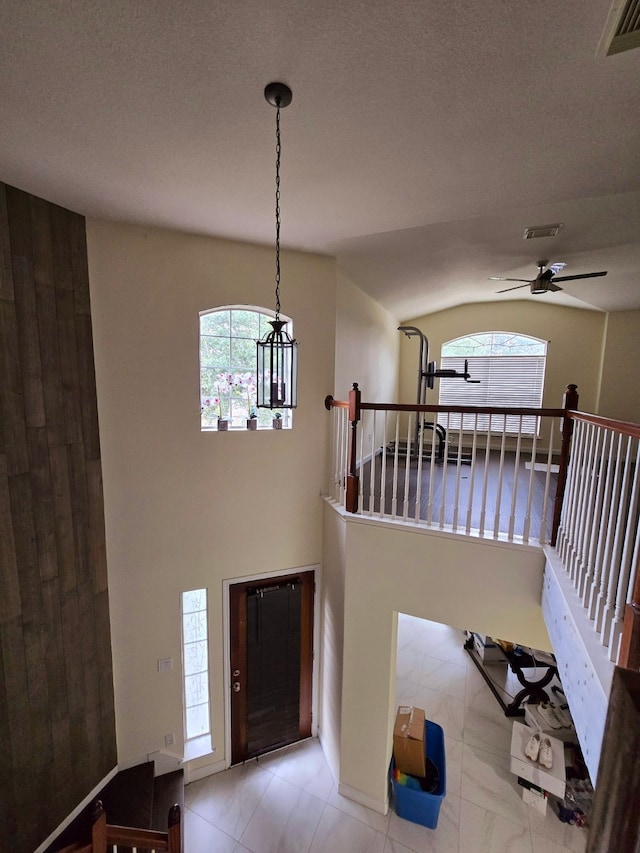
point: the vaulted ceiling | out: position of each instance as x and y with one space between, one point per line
423 137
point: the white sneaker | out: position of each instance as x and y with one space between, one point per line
532 748
545 757
564 717
547 711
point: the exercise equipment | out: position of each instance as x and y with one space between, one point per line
427 374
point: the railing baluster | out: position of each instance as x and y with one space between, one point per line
578 496
485 481
629 558
361 463
420 450
568 517
445 463
496 523
592 578
456 499
371 416
526 529
514 494
474 445
407 468
542 537
586 508
383 468
608 540
432 468
396 451
617 520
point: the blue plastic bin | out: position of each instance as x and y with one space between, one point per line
418 806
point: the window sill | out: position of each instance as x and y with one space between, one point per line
245 429
197 747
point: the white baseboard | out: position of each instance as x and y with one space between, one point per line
192 774
382 807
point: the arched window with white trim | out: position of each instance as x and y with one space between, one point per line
510 368
228 364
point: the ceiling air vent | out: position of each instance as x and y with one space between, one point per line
542 231
622 30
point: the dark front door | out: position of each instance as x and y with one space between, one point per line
271 663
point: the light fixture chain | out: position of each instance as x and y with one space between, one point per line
278 150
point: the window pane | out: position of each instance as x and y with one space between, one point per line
509 375
197 721
216 323
196 689
195 657
228 349
494 343
214 351
194 626
195 599
243 354
245 324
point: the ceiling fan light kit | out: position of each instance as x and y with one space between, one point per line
546 281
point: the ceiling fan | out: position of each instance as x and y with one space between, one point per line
546 280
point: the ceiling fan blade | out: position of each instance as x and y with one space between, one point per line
552 286
517 287
574 277
499 278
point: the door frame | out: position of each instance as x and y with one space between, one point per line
226 623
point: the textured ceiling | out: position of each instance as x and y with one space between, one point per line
422 139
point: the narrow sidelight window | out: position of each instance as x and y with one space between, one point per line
195 654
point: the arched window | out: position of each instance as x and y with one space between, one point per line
228 364
510 368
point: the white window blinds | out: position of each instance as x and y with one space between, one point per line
515 381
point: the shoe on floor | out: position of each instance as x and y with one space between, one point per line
547 711
532 748
564 717
545 757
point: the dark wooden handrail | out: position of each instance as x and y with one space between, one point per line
356 407
330 403
622 427
105 835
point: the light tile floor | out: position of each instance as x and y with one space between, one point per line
288 802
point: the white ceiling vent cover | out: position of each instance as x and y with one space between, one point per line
622 30
541 231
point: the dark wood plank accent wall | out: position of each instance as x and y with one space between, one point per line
57 723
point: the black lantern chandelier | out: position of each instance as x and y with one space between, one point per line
277 351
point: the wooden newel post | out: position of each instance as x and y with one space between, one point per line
569 402
629 656
351 504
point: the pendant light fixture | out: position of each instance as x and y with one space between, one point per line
277 351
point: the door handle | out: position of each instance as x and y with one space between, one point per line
236 686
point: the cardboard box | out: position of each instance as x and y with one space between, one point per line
536 799
486 649
408 740
419 806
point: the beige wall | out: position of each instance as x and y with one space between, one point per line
187 509
471 584
620 387
573 356
367 346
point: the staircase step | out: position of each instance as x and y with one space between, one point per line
128 797
168 789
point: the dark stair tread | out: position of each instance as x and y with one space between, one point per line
128 797
168 789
